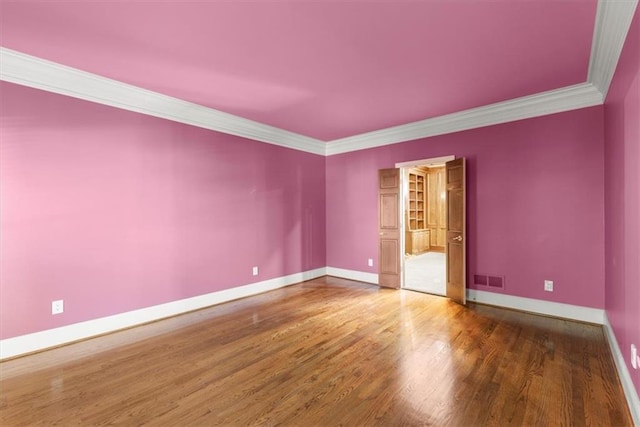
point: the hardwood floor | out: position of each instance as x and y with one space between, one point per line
326 352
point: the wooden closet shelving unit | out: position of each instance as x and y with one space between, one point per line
417 234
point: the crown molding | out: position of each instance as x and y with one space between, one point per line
550 102
613 19
46 75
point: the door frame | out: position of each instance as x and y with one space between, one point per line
403 194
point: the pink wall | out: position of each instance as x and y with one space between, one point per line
114 211
535 203
622 198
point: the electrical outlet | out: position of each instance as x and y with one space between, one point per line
548 285
57 307
255 271
370 262
635 359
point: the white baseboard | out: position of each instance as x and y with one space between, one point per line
556 309
37 341
630 391
548 308
360 276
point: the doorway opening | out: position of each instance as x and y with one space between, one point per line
424 216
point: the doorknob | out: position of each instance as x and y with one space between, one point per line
458 238
381 233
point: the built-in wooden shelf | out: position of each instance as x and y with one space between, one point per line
417 234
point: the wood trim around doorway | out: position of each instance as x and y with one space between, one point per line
425 162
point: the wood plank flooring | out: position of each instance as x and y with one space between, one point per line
325 352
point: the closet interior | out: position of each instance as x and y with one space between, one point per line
425 222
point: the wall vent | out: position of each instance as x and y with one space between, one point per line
496 282
489 281
480 279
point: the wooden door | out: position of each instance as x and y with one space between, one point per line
389 228
456 238
437 208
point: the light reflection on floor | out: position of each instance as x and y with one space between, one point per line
434 385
